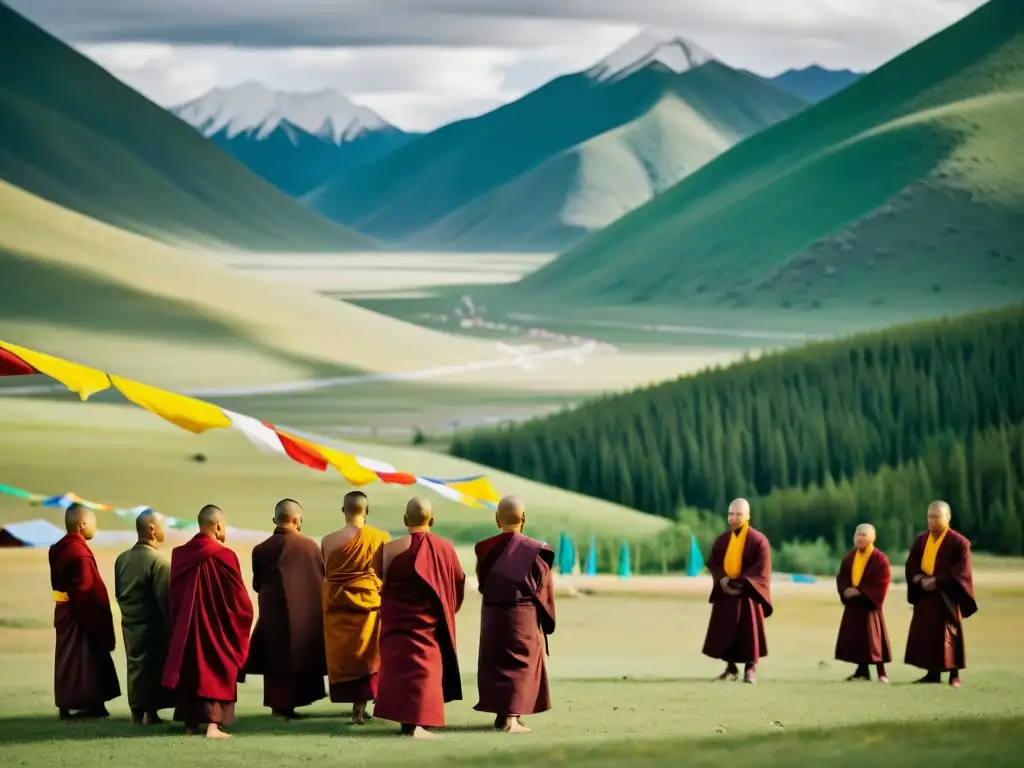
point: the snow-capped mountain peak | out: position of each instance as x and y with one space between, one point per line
253 108
650 46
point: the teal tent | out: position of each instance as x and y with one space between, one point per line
695 563
624 570
592 557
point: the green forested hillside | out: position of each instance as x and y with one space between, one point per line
875 409
902 190
73 134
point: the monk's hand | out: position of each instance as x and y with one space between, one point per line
851 592
917 579
928 582
724 584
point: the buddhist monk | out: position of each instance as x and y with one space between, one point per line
863 582
287 646
940 586
210 617
423 589
351 606
518 613
84 678
741 565
142 580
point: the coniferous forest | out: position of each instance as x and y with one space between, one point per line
864 429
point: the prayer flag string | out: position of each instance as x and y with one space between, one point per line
198 416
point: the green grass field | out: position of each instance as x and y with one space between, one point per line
629 686
902 190
74 134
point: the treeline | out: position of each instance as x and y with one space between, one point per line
884 419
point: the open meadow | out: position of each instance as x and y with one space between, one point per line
629 685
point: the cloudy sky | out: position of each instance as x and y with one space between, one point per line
421 63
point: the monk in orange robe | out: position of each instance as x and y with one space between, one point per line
351 606
84 678
210 617
940 586
518 613
287 646
423 589
741 565
863 582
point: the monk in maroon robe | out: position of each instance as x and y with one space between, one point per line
210 617
741 565
940 586
287 646
423 589
518 613
84 678
863 582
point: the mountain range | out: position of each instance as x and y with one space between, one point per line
562 161
902 189
815 83
296 141
73 134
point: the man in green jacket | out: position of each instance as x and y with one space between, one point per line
141 585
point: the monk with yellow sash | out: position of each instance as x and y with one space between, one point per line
863 582
351 605
741 566
940 586
84 678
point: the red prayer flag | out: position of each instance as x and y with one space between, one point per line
397 478
12 365
303 454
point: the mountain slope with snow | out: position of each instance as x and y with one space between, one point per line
76 136
525 176
296 141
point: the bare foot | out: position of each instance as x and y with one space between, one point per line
884 679
420 733
955 682
213 731
515 726
855 677
728 675
749 677
359 714
152 718
135 719
191 730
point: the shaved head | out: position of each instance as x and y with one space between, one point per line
739 513
213 522
288 512
418 513
355 504
150 527
511 513
939 515
864 536
78 518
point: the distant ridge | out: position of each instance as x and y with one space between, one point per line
73 134
815 83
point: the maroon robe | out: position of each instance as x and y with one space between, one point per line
518 614
936 638
863 637
84 677
736 629
287 646
419 669
210 617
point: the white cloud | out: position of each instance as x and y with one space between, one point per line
423 62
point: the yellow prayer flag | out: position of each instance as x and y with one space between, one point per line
186 412
80 379
478 488
345 463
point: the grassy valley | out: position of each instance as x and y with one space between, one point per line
73 134
900 191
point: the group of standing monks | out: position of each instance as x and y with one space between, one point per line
940 587
375 616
